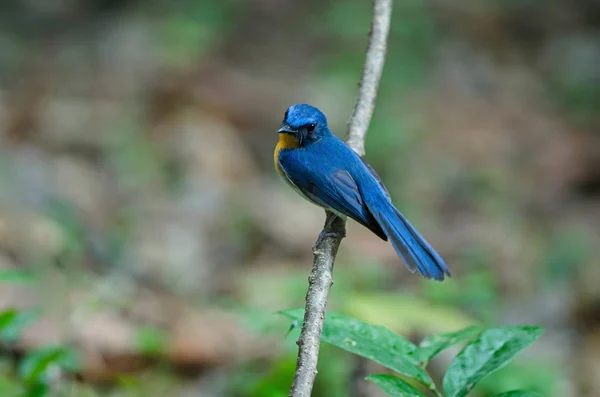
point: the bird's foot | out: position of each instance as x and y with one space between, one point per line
322 236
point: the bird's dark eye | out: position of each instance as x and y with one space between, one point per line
311 127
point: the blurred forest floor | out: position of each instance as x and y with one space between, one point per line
137 186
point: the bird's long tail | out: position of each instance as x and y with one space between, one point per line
408 243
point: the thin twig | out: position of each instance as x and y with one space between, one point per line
321 276
369 81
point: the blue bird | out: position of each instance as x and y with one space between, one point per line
325 171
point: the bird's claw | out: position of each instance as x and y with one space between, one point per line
322 236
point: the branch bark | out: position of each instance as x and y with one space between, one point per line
321 276
371 75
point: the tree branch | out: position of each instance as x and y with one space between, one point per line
321 276
369 81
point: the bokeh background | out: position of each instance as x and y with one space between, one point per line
137 186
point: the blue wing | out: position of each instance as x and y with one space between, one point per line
377 178
331 188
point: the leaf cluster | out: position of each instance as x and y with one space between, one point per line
486 350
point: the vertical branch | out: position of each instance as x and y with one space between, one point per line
371 75
321 276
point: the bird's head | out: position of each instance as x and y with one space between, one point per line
305 123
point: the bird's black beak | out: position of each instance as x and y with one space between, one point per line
286 129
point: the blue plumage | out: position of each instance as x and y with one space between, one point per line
325 171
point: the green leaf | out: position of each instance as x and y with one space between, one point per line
436 343
13 322
34 369
15 276
394 387
491 350
519 393
370 341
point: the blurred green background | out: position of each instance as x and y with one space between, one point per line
138 196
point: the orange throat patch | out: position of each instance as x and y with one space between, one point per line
286 141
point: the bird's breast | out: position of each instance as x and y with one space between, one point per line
286 141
